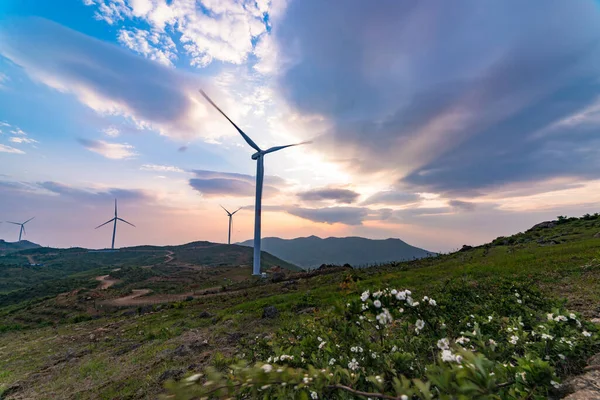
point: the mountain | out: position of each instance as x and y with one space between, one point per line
6 247
312 251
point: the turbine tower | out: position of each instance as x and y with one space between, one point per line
230 214
115 225
260 172
22 230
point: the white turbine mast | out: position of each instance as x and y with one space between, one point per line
115 219
22 224
230 214
260 172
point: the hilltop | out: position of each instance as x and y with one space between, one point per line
7 247
79 345
311 252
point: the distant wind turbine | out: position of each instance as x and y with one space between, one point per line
260 172
22 230
115 225
230 214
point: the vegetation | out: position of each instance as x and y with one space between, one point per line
106 352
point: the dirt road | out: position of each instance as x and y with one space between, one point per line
105 282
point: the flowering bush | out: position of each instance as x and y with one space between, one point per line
503 342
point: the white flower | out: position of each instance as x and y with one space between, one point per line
384 317
490 318
319 339
394 292
492 342
401 295
377 304
514 339
562 357
462 340
560 318
377 294
394 349
379 379
353 349
550 317
404 397
519 301
365 295
432 302
321 345
353 365
332 361
420 324
314 395
545 336
447 356
267 368
572 316
416 303
555 384
521 374
443 344
517 294
586 333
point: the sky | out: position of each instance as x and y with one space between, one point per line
439 123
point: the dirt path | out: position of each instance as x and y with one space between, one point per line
31 259
105 282
169 256
131 300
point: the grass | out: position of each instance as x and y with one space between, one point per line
128 354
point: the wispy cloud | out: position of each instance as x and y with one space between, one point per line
21 139
214 183
153 45
160 168
116 151
111 131
8 149
338 195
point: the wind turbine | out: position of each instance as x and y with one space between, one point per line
260 172
115 225
22 230
230 221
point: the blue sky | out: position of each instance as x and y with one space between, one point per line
439 123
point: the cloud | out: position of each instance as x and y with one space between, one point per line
111 131
153 45
338 195
115 151
107 78
392 197
441 97
20 139
210 30
160 168
8 149
89 194
331 215
462 205
213 183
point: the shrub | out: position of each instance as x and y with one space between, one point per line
477 342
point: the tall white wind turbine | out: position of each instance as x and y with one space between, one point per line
22 230
116 217
230 214
260 172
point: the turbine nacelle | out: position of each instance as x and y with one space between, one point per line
257 155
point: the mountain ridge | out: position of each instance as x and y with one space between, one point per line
313 251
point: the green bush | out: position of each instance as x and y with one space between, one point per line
499 341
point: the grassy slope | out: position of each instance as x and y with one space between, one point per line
123 357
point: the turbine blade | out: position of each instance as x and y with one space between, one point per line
16 223
110 220
246 137
122 220
115 207
23 228
28 220
277 148
228 213
236 210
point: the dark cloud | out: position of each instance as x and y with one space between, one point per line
332 215
448 96
101 74
344 196
462 205
94 195
392 197
214 183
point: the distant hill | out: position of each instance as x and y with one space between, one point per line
6 247
312 251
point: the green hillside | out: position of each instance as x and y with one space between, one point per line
132 352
